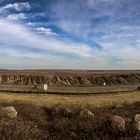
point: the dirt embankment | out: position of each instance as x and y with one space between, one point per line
88 80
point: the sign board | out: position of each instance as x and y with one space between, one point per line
45 87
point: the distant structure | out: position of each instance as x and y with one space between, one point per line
45 87
104 84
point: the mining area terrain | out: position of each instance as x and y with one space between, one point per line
69 81
78 105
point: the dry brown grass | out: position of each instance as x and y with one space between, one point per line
72 100
35 122
64 72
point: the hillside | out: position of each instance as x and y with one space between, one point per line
70 78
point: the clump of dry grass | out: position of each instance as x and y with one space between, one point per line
91 128
25 126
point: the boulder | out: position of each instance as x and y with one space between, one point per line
136 126
113 124
137 117
63 111
119 106
86 113
8 112
136 123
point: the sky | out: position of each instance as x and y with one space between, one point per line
70 34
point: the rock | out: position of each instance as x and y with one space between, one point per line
137 117
86 113
119 106
136 126
8 112
114 125
136 123
63 111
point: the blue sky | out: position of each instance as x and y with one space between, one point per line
70 34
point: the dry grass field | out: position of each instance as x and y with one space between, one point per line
35 120
72 100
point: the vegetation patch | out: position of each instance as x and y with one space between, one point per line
40 122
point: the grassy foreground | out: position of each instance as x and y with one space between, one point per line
35 123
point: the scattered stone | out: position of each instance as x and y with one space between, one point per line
137 117
119 106
136 123
8 112
114 125
136 126
86 113
63 111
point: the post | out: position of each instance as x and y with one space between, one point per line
104 84
45 87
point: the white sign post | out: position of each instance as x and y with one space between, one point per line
45 87
104 84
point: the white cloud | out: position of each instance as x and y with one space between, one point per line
16 16
25 59
21 16
17 6
120 45
30 24
42 29
18 34
36 24
88 58
47 31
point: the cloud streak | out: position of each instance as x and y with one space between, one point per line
16 6
19 34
